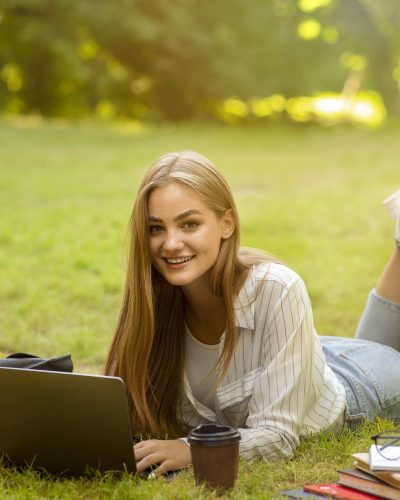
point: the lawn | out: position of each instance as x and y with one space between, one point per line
310 196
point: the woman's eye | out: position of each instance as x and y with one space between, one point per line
191 224
155 229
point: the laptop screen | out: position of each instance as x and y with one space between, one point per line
65 422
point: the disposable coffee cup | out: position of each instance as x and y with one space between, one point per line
215 455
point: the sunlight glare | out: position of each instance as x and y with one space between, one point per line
309 29
311 5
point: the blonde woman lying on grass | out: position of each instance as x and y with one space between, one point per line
211 332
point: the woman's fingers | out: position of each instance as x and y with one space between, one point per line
144 448
167 454
146 462
159 471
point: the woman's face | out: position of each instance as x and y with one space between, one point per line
184 234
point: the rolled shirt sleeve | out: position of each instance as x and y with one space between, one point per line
290 381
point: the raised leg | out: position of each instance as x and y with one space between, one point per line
388 285
380 321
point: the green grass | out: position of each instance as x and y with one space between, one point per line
310 196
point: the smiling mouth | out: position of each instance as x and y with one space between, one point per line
178 260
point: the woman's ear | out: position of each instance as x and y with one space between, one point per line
227 224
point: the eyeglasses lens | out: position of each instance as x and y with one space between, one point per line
388 444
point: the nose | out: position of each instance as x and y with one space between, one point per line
173 241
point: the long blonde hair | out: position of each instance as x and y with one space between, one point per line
147 350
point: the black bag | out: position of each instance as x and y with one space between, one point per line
23 360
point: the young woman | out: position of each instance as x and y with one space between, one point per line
210 332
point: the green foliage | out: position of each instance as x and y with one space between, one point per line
175 59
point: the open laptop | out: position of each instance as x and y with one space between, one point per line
65 422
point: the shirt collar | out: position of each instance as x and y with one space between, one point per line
244 303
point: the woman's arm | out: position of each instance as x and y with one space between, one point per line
292 393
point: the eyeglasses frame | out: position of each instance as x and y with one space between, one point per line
394 439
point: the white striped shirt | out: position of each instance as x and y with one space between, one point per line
278 386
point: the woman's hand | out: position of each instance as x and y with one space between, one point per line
172 454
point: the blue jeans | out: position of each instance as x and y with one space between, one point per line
369 366
380 321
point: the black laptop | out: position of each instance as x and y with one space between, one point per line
65 422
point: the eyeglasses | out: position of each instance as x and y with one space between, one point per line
388 444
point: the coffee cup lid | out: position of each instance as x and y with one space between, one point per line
214 433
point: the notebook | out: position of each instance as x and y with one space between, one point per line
389 462
65 422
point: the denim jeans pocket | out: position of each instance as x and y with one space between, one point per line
378 383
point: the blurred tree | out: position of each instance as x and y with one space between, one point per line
176 59
372 28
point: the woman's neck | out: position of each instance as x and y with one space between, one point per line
204 314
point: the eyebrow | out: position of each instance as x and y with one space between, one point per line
179 217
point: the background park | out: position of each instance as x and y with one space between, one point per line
296 101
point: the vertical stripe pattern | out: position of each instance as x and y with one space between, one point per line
278 386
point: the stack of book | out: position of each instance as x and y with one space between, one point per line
372 477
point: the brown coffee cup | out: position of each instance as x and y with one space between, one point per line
215 455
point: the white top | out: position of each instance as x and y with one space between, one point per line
200 368
278 386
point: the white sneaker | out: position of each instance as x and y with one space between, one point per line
392 204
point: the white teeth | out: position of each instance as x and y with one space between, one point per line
178 261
